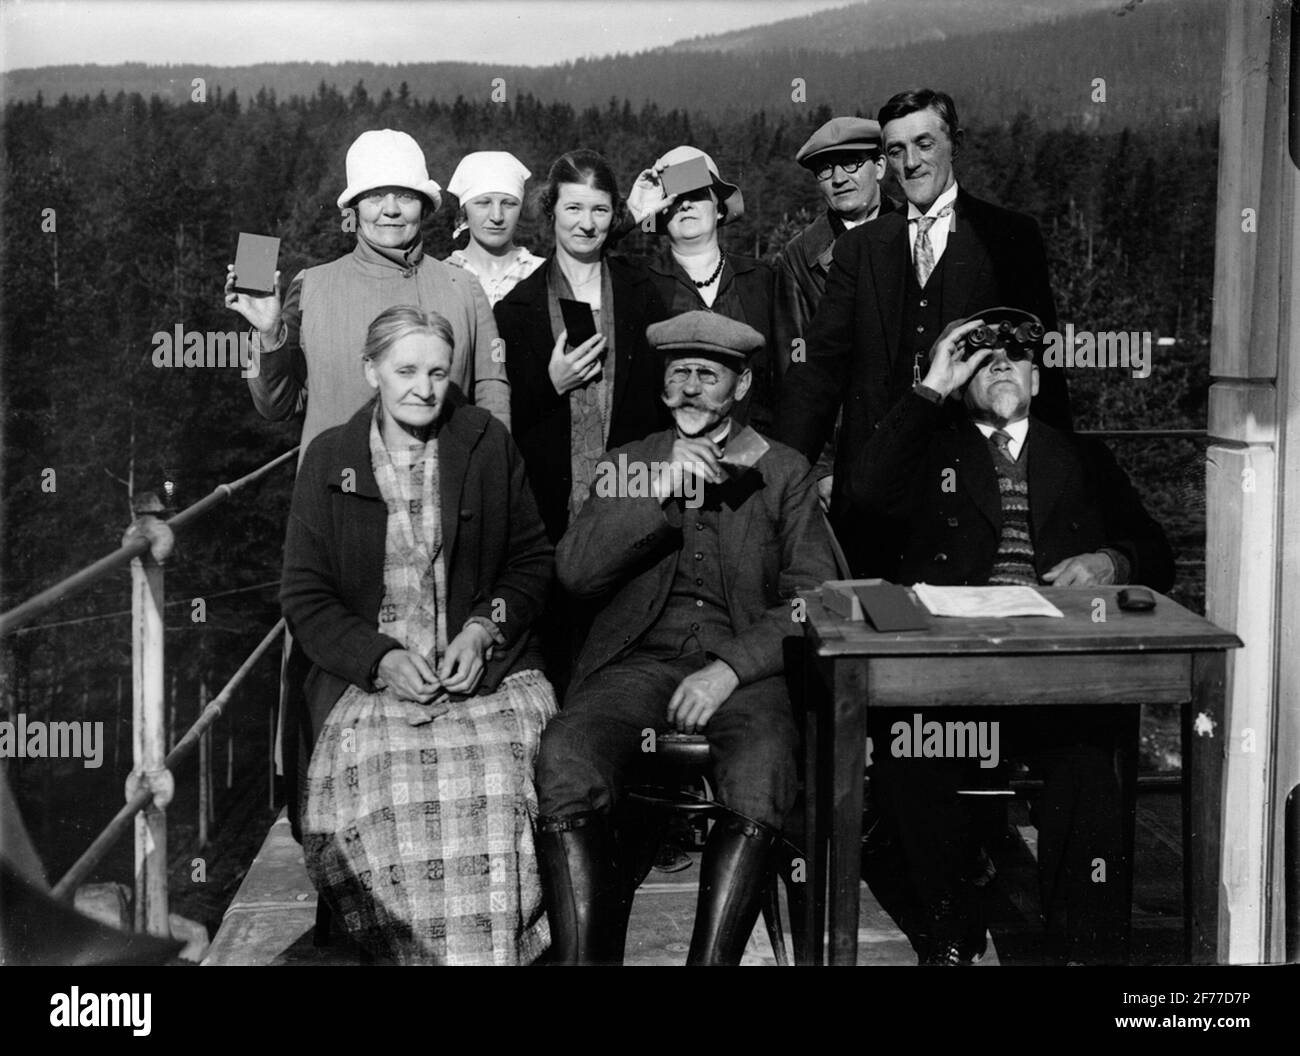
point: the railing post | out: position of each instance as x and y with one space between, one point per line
205 770
149 730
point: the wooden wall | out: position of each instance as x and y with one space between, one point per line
1253 469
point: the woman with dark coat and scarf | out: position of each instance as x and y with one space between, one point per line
415 566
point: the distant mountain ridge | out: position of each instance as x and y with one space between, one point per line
889 24
1159 64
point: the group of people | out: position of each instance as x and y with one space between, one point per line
484 633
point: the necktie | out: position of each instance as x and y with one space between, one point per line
1014 561
924 252
1002 440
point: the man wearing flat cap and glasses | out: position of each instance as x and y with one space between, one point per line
694 572
844 155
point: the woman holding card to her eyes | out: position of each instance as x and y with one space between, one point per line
573 401
415 566
683 197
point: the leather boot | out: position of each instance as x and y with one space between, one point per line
583 889
735 868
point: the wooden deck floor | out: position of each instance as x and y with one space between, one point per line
272 917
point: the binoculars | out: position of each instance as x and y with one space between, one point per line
1025 335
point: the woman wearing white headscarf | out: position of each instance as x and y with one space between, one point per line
489 184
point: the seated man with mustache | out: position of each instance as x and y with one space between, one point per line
695 583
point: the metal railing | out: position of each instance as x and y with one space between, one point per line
132 547
147 544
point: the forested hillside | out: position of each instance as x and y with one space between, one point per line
1160 64
892 23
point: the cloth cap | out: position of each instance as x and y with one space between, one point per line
707 334
840 133
728 193
488 172
385 158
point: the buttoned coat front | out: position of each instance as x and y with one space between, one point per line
622 550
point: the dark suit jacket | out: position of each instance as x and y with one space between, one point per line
540 420
493 542
801 271
995 257
775 543
1079 499
754 283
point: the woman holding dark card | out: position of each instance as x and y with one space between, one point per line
415 565
572 400
690 201
308 343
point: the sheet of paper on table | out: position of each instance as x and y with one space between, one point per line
984 601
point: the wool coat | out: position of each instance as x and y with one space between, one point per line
499 563
316 371
622 550
540 415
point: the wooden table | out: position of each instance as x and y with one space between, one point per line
1169 656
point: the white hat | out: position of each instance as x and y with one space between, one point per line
488 172
728 193
385 158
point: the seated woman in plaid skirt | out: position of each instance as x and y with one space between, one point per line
415 565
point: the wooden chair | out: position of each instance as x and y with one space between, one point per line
678 761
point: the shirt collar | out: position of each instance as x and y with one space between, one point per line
943 201
520 257
1017 430
720 437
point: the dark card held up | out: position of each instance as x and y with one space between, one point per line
890 608
686 176
579 322
255 260
744 450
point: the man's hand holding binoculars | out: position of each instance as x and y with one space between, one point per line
952 364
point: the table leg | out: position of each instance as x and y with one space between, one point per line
849 762
1204 747
813 906
1126 755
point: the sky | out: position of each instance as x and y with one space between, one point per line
243 32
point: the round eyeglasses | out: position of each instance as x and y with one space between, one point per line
823 171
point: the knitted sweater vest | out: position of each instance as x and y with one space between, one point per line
1014 563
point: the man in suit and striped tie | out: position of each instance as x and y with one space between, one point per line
982 492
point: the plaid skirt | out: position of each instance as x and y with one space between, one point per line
420 838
